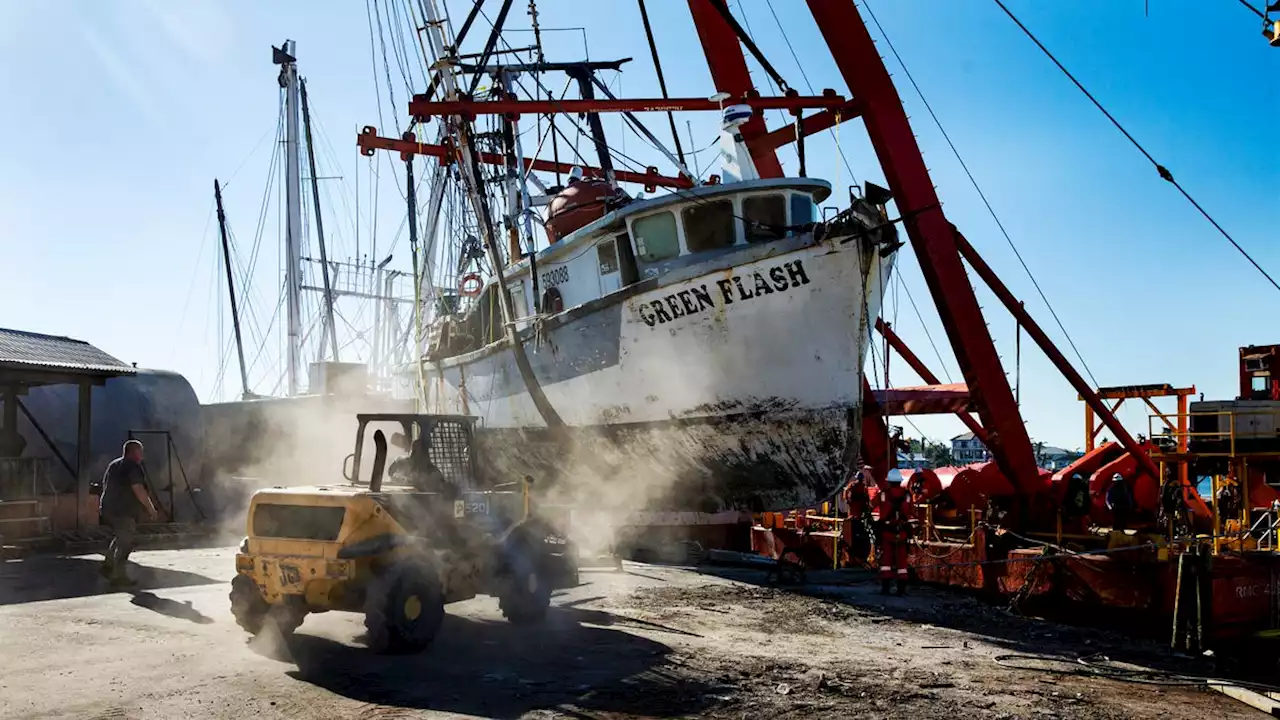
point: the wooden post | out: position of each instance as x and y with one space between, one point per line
85 412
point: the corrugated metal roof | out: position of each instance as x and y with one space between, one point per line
20 349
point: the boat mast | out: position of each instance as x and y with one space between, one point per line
474 184
286 58
330 329
231 290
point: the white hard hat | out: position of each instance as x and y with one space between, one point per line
1117 478
894 477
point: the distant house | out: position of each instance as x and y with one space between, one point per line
1056 458
967 449
912 461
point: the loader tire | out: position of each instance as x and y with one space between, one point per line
247 604
404 607
525 588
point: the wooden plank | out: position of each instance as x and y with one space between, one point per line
1255 700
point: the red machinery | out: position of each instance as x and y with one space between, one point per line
1141 579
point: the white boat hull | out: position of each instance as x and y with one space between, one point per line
720 387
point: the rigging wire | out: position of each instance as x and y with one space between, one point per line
795 147
1162 170
722 7
981 194
1255 10
386 66
809 85
942 364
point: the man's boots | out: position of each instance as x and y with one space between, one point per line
902 587
884 587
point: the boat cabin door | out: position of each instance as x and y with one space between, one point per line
610 269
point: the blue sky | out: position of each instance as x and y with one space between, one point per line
120 114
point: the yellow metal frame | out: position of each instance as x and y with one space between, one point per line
1179 429
1238 463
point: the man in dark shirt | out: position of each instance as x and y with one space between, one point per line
124 498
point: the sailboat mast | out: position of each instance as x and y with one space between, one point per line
231 289
287 59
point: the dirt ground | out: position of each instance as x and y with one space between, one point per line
646 641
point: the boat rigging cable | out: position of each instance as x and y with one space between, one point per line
808 85
1162 170
981 194
626 160
722 7
662 82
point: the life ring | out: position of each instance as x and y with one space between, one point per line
471 285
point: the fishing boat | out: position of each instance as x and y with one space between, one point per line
703 347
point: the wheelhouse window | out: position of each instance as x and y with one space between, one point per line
607 256
765 216
801 209
656 237
709 225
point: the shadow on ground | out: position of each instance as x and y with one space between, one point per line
51 577
172 608
1074 632
496 669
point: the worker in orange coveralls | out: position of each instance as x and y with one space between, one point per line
896 510
857 502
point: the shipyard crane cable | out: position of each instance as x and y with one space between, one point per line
942 364
1160 169
981 194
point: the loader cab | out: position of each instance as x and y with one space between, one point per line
427 453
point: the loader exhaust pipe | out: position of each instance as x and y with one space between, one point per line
379 461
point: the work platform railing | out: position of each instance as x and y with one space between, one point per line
1240 436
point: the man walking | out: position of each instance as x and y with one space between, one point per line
124 497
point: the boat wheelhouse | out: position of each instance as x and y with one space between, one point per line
630 241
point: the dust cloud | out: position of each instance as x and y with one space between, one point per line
612 477
598 483
279 443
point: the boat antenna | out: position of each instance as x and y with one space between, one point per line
537 31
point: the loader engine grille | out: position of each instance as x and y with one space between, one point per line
297 522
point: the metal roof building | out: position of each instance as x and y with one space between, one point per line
28 360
